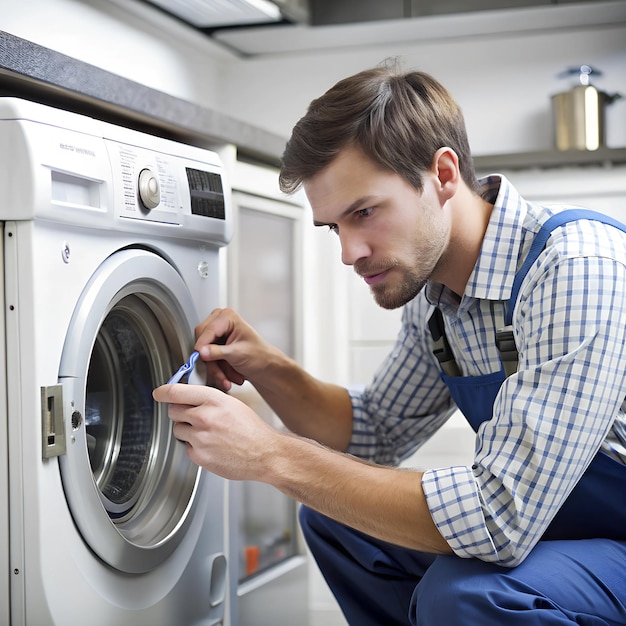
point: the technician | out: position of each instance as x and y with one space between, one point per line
513 312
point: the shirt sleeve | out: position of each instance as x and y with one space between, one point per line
549 420
406 401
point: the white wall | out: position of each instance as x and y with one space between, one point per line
503 83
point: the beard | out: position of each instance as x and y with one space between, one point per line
394 296
405 280
400 286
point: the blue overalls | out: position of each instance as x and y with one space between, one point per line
562 581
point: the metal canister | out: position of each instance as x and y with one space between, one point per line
579 114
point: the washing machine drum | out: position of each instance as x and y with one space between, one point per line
130 486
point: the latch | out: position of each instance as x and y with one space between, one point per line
52 422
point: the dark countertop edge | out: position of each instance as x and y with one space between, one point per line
33 72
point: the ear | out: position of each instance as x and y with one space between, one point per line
445 167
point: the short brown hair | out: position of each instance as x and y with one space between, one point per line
399 119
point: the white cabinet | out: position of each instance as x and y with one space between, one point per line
372 331
268 564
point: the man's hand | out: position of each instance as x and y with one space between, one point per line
223 435
232 349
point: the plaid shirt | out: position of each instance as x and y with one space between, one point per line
549 419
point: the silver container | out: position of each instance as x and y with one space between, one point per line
579 114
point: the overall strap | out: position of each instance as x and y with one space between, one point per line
505 339
539 243
504 336
440 346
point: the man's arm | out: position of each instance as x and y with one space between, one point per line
384 502
226 437
234 352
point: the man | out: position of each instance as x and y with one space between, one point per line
534 532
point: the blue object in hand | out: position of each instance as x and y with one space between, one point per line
184 369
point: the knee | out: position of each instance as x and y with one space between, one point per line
436 592
453 591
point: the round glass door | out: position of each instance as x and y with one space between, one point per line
121 420
129 484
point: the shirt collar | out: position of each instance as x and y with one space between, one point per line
493 274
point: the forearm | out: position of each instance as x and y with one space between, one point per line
383 502
307 406
229 439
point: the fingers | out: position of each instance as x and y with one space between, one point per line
187 409
181 397
216 376
214 331
221 433
212 335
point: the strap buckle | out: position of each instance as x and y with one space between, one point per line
505 342
440 346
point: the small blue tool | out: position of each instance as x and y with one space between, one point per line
184 369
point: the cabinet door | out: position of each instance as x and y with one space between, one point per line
265 278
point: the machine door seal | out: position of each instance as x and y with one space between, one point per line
129 484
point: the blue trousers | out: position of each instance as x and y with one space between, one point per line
579 582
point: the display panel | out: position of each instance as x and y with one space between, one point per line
207 194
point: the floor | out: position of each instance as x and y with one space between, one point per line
453 445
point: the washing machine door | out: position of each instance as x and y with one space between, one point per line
129 484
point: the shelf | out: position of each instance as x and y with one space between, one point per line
549 159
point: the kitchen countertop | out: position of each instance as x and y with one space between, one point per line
34 72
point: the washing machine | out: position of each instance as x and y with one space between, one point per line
111 254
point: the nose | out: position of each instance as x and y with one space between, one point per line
353 247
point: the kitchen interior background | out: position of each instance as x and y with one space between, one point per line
502 66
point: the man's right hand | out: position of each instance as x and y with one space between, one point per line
232 350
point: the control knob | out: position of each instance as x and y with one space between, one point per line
149 191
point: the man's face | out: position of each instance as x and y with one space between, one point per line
393 235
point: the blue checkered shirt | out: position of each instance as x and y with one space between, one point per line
551 418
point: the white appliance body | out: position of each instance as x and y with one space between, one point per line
103 518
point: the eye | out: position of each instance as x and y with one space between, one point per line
364 212
333 228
